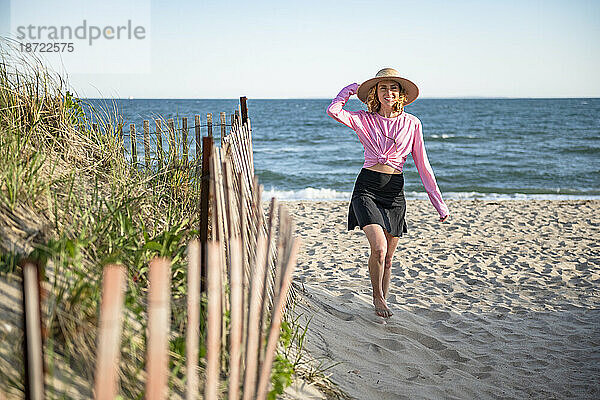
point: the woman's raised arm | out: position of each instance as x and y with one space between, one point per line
336 108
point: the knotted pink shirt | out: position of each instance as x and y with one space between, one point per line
405 136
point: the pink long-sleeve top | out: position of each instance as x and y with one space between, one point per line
407 134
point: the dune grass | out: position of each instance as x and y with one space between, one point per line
71 200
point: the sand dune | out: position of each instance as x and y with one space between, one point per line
502 302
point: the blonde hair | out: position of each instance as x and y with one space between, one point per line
374 105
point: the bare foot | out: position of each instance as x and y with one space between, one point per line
381 308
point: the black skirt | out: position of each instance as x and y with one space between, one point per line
378 198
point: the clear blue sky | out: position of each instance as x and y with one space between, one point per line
311 49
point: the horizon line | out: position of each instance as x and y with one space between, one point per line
329 98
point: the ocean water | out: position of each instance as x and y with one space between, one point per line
478 148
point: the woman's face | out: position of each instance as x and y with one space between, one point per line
388 92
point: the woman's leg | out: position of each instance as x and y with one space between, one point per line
392 242
377 241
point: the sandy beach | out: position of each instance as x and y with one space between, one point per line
503 302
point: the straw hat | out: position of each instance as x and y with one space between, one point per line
412 91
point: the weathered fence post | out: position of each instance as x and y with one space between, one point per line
281 246
223 121
215 311
193 320
109 333
244 109
235 338
243 216
277 313
207 144
219 223
209 124
198 143
147 144
159 325
172 143
159 148
253 340
184 141
133 145
237 115
266 286
34 352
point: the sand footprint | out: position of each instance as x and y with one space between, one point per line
347 296
346 316
392 344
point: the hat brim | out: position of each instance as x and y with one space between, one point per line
412 91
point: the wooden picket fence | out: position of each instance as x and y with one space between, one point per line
253 256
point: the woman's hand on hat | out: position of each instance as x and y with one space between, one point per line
352 88
444 218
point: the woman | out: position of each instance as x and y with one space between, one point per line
388 134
